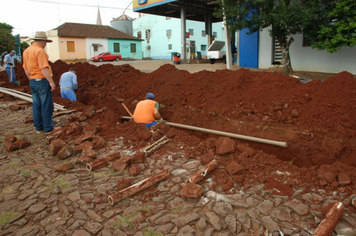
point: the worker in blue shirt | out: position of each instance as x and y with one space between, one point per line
69 85
9 61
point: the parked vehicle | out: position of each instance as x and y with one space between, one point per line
215 53
107 56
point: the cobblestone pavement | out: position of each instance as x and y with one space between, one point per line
37 200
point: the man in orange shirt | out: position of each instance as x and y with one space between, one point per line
147 111
39 72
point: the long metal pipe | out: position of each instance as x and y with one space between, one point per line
231 135
25 96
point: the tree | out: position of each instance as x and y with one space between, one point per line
339 28
285 17
23 46
7 40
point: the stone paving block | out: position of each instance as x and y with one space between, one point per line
298 206
214 220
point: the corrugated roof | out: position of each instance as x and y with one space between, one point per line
91 31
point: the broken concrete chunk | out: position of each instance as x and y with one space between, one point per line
344 179
98 142
83 138
234 168
135 169
64 167
207 157
10 146
82 146
55 146
10 137
191 190
22 143
224 146
65 152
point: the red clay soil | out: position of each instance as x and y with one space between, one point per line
316 119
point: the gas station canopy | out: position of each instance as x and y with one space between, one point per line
195 9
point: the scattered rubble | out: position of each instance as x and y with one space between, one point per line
253 187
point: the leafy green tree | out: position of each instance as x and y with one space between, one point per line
23 46
284 17
7 40
339 28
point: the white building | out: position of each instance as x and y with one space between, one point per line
305 58
163 36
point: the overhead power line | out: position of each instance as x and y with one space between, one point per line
75 4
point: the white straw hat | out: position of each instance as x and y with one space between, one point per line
41 36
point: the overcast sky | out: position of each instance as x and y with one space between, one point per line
29 16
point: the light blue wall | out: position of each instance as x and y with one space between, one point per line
157 47
125 48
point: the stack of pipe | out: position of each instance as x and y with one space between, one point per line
26 97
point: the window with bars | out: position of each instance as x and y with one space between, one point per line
203 33
191 32
169 33
169 46
202 47
70 46
133 47
277 51
116 47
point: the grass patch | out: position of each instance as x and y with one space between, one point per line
99 174
125 219
112 172
177 209
13 164
26 173
291 161
147 210
7 190
60 182
149 232
6 217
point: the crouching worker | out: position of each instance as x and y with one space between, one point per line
69 85
146 111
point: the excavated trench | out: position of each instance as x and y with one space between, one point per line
316 119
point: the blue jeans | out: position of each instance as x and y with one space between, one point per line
42 107
8 70
68 94
151 124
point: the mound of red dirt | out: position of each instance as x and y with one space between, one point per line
316 119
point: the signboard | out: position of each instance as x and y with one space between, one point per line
144 4
187 35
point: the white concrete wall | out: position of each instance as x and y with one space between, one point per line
52 48
307 58
159 42
265 49
90 50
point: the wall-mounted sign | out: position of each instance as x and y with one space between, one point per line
187 35
144 4
140 2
